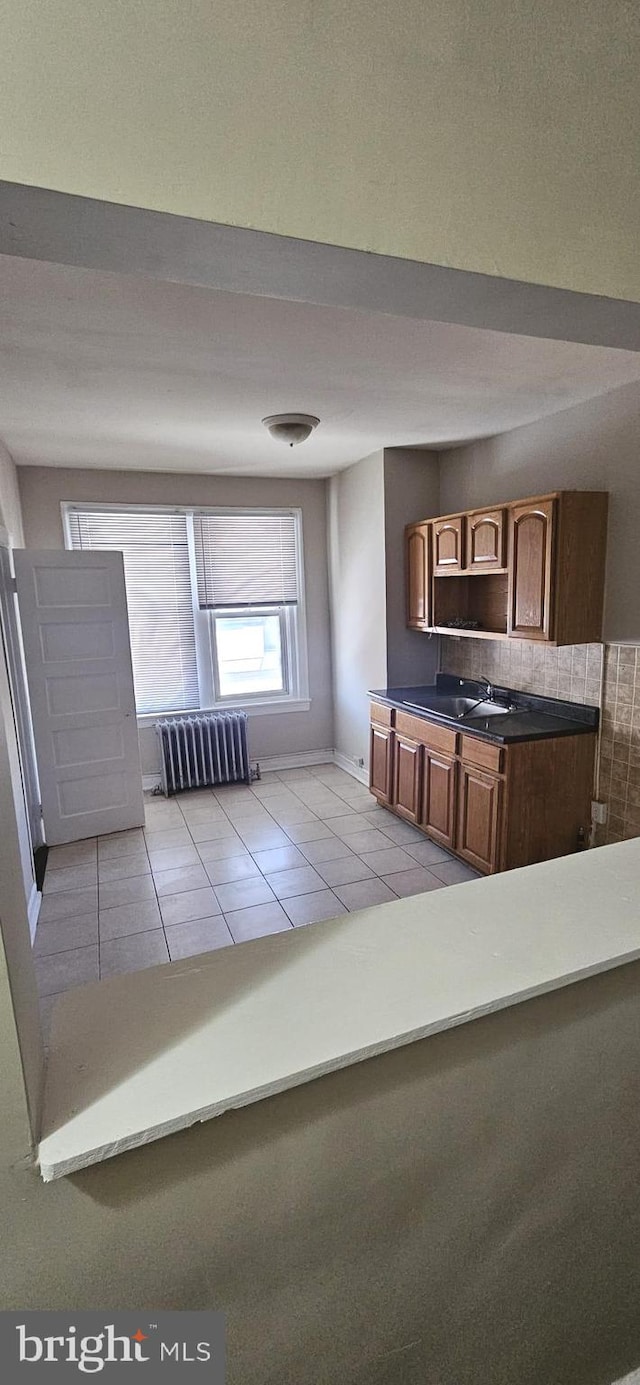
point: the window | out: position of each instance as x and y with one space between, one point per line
249 654
247 577
215 608
157 577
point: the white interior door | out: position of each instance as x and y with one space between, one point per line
75 630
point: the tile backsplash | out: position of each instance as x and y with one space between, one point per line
574 672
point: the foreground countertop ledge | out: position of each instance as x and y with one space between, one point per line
150 1053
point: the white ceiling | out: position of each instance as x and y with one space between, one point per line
106 370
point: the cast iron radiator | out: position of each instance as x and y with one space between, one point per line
197 751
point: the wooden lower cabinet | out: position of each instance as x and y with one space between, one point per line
498 807
381 762
479 818
438 805
407 778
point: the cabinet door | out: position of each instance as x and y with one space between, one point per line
530 570
380 758
407 773
418 576
479 812
438 804
485 541
448 544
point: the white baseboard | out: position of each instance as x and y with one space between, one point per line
33 909
297 760
356 771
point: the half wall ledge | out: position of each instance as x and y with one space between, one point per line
145 1055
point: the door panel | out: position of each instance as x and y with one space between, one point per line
418 576
530 570
439 797
479 804
407 767
380 755
448 544
81 747
60 642
57 587
485 541
73 610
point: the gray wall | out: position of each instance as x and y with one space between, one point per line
460 1211
43 488
595 446
369 505
358 599
411 492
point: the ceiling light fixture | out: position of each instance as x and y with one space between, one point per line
291 428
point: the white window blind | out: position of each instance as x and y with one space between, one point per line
156 567
246 560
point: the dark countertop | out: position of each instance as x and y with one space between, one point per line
532 717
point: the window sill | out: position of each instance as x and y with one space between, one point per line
253 709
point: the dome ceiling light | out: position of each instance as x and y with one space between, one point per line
291 428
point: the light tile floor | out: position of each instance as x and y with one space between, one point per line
217 867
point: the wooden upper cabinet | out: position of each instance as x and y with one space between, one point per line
486 534
407 775
448 545
579 566
418 576
530 570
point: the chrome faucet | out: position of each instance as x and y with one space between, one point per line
488 686
487 696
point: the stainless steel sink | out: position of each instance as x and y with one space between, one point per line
458 708
444 705
487 709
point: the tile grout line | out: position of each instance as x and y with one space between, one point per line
157 896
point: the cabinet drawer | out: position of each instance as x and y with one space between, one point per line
383 716
478 752
437 737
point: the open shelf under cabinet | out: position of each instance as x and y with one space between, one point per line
477 596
